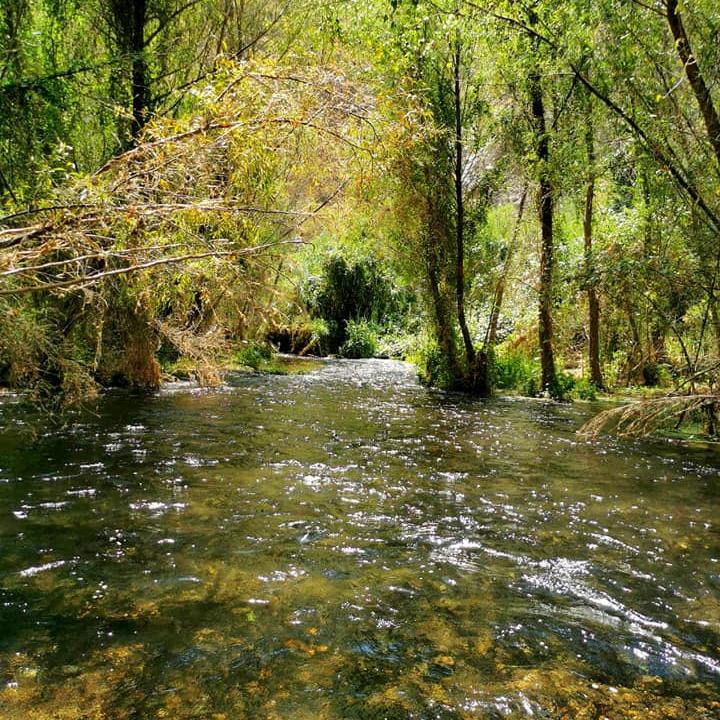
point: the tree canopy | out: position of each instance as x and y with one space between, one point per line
536 183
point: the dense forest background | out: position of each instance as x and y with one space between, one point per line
517 194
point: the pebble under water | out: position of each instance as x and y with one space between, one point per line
346 544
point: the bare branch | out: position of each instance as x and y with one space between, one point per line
81 282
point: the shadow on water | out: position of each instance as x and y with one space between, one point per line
347 544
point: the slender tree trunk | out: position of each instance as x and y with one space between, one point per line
593 303
139 68
13 13
636 360
545 211
460 216
705 103
716 323
443 327
694 76
491 338
442 312
5 184
658 325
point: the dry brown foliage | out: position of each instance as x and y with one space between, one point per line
645 417
184 235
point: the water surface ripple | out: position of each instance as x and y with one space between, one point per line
347 544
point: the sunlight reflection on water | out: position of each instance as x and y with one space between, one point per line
347 544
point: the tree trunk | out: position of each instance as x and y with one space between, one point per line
658 325
593 303
545 211
139 68
491 337
704 100
716 323
432 250
443 326
460 217
636 359
695 77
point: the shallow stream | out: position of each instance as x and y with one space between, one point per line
346 544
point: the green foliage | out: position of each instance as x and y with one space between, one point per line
254 355
396 343
300 337
562 387
432 366
23 346
656 374
360 341
316 333
45 354
532 386
513 370
585 389
158 254
347 293
280 137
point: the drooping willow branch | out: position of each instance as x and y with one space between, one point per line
84 281
149 208
179 186
143 148
99 255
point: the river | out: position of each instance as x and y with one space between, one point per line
346 544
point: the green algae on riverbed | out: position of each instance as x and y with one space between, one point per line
346 544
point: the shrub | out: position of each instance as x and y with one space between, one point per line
254 355
25 343
432 365
531 388
586 389
396 344
349 292
562 386
513 370
361 340
656 374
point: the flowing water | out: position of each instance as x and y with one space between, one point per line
347 544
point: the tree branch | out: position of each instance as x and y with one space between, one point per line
81 282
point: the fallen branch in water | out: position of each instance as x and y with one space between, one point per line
644 417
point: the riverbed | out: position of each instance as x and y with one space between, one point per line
346 544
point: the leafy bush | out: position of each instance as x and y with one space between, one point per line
513 370
586 389
350 292
361 340
656 374
254 355
25 343
432 365
562 387
532 387
44 354
396 344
